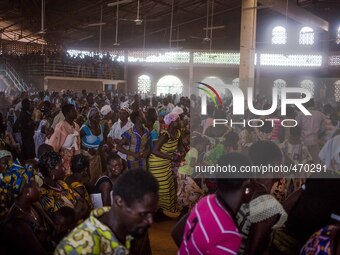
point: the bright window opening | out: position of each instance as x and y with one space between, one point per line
169 84
279 35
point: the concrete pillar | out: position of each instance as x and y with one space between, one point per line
126 56
188 91
247 43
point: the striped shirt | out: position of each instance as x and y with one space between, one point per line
136 142
210 229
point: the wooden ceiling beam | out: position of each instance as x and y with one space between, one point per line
296 13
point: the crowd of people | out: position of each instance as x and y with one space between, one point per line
61 63
89 173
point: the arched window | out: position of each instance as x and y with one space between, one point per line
337 90
306 36
279 35
169 84
309 85
236 82
338 36
279 84
144 84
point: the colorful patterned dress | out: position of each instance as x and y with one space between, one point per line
136 143
52 199
161 168
93 237
320 242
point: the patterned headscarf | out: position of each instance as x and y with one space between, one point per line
92 112
170 117
48 162
162 112
17 177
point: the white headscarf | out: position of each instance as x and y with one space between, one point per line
330 153
177 110
125 106
106 109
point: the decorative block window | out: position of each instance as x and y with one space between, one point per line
236 82
337 90
144 84
309 85
291 60
279 84
279 35
306 36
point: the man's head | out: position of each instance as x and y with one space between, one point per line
231 141
114 165
80 167
265 152
69 111
135 200
26 104
231 185
137 118
44 148
65 220
295 132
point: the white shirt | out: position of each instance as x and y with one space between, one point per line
117 131
170 107
18 107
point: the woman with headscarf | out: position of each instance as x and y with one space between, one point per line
122 125
106 112
92 137
137 140
161 161
5 158
55 193
26 229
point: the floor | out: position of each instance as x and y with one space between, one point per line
160 238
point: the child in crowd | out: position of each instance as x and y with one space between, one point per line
188 192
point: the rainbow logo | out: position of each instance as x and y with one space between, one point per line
211 92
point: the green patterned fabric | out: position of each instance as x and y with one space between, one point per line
93 237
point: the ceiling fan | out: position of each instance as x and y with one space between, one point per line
177 40
206 38
137 21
